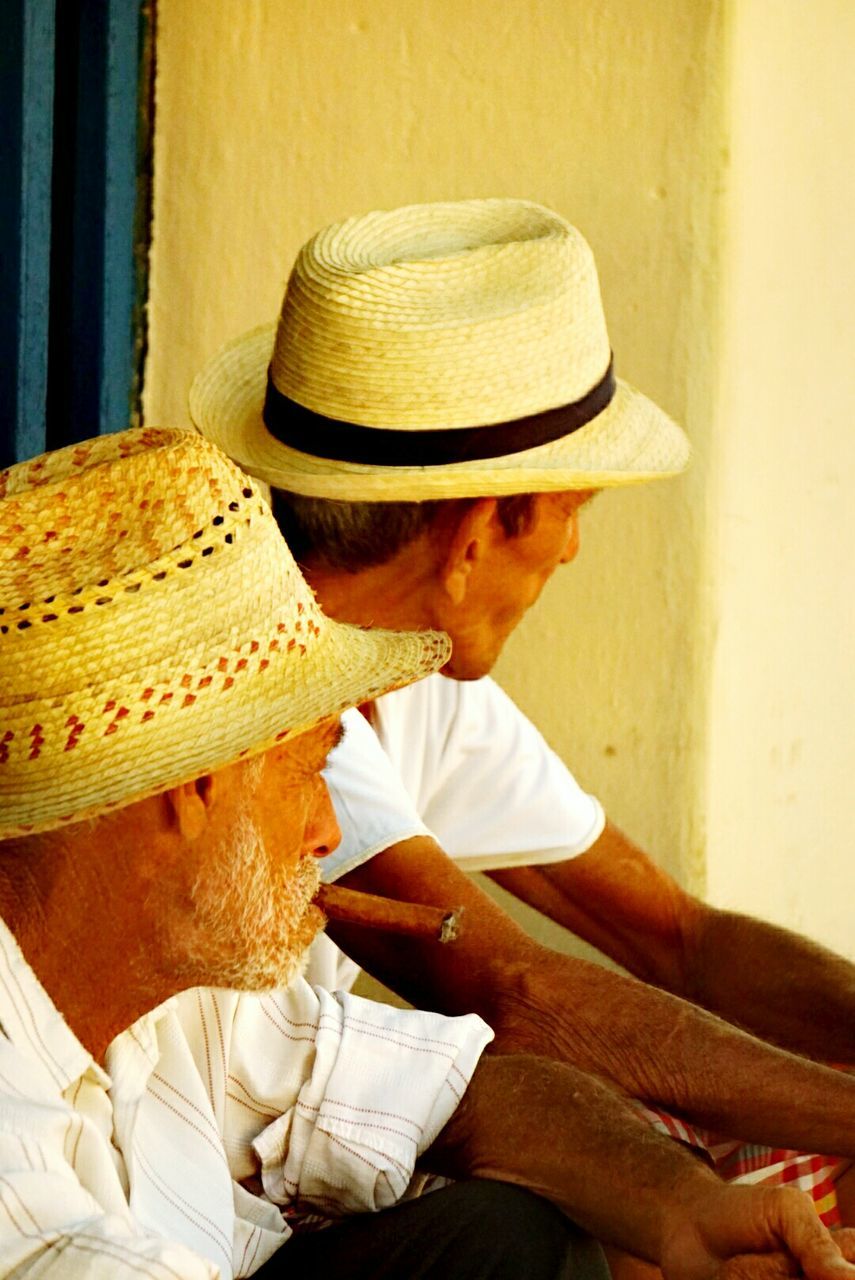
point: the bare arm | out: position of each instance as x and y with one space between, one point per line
545 1126
778 985
646 1042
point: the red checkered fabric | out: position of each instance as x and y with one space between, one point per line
751 1163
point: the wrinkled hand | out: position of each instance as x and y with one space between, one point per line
754 1233
779 1266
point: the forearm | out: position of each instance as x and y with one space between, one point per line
660 1048
563 1134
648 1043
780 986
566 1136
475 973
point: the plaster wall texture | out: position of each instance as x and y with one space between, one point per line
782 689
275 119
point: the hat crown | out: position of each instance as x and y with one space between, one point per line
135 546
432 260
442 315
107 507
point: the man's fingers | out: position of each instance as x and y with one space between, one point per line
756 1233
794 1222
759 1266
844 1238
824 1261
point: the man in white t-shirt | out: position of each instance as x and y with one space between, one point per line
439 406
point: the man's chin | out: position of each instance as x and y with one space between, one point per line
464 671
270 958
314 921
279 970
294 958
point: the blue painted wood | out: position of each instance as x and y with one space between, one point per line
69 90
91 338
27 37
76 322
120 197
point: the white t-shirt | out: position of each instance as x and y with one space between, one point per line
460 761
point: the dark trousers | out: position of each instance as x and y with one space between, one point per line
474 1230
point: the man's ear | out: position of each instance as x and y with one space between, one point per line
467 545
190 805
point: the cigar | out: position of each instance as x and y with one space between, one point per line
414 918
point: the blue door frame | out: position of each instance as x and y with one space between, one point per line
73 206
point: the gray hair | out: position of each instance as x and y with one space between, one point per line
352 536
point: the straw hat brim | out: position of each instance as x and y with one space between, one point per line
630 442
347 666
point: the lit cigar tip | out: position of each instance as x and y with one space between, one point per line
452 924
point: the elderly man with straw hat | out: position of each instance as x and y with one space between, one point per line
435 408
169 693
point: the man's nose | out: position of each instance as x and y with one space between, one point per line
323 833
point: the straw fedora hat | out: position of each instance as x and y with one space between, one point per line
154 626
436 351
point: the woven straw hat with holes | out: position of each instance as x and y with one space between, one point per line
153 627
436 351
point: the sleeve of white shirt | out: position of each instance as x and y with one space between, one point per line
50 1224
482 776
371 803
360 1093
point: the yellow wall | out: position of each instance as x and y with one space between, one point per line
782 693
274 118
694 665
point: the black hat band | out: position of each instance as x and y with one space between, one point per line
321 437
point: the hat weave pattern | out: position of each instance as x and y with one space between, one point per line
449 315
382 330
153 626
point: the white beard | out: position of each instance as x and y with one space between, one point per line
253 921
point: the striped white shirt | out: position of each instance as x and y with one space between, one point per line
219 1116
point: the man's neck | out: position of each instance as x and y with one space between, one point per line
90 943
396 595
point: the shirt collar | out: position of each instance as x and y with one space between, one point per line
32 1022
135 1053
